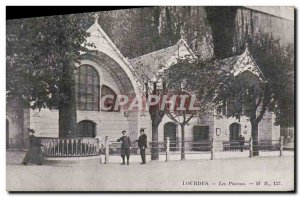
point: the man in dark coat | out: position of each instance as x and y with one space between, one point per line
125 147
34 155
242 142
142 143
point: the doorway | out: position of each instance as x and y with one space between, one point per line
235 131
86 128
170 129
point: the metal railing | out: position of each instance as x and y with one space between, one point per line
70 147
81 147
209 147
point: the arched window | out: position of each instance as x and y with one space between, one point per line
235 131
109 102
87 88
86 128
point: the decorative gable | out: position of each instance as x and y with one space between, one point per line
246 62
104 45
149 66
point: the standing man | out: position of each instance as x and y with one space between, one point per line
125 147
242 142
142 143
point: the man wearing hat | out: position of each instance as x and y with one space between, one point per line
34 154
125 147
142 143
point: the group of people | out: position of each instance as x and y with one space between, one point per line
35 154
126 146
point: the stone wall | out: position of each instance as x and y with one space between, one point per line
17 122
253 23
189 128
224 125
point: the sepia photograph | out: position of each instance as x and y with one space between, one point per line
151 99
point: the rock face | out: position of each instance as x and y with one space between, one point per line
151 29
252 23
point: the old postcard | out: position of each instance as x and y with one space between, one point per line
165 98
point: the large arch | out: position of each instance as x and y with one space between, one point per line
125 80
112 75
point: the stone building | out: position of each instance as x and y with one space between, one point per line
109 72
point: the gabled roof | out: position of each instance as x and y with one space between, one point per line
104 44
149 65
241 63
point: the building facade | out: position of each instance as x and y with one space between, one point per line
108 72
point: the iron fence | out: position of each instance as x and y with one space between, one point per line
210 148
70 147
80 147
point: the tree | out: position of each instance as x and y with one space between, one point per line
181 82
181 116
222 23
247 95
156 114
252 96
277 64
41 53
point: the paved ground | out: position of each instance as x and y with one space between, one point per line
241 173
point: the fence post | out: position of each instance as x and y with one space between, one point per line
106 150
99 149
281 146
168 150
250 147
212 149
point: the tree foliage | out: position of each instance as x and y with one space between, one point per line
200 79
277 64
248 95
39 52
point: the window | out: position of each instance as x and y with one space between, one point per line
201 132
87 88
86 128
109 102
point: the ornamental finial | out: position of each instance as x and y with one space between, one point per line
96 17
246 47
182 34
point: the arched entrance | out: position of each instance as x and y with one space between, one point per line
170 131
86 128
235 131
7 134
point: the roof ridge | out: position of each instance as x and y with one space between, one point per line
153 52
